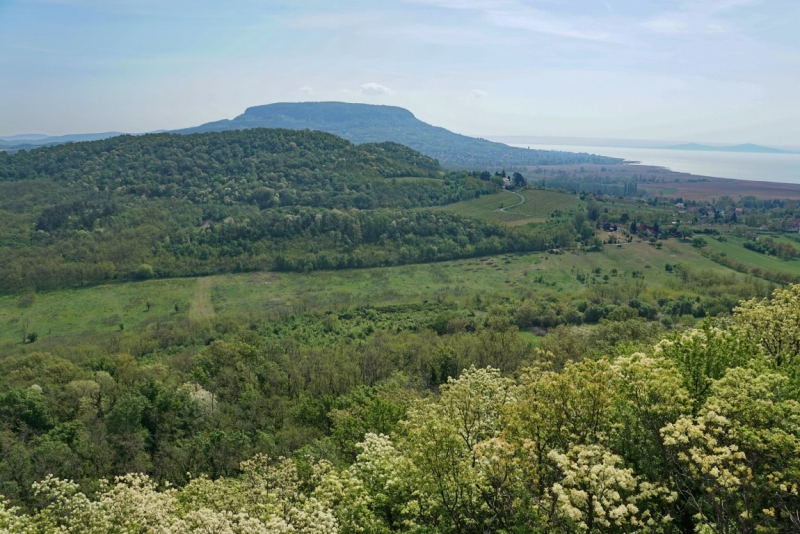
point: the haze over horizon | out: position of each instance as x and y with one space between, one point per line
706 70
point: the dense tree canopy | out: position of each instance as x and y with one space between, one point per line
699 432
240 200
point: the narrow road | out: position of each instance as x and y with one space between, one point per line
520 203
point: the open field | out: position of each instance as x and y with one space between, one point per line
91 314
542 204
486 208
660 181
734 249
539 206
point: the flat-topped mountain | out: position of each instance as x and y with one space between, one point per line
365 123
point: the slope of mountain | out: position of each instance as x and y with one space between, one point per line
23 137
29 141
258 199
364 123
747 147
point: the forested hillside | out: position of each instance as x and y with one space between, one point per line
624 378
172 205
364 123
698 431
307 168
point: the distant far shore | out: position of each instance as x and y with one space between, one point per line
660 181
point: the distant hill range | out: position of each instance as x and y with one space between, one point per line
28 141
747 147
364 123
361 123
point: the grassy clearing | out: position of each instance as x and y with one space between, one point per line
91 314
734 249
486 207
66 315
542 204
201 306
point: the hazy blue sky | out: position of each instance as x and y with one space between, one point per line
705 70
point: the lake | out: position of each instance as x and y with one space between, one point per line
740 165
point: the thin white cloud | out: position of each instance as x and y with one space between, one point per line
666 25
469 4
440 35
306 90
541 22
335 20
694 16
375 89
477 93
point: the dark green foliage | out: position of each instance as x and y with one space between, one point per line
160 243
25 410
305 168
171 205
767 245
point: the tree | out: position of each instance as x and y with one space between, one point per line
593 210
740 455
144 272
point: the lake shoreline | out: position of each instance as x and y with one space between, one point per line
746 166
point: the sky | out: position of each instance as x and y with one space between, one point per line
685 70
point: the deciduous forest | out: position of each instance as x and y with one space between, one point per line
270 331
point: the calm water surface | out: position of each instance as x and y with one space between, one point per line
741 165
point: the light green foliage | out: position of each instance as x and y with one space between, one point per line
699 430
704 354
741 453
775 324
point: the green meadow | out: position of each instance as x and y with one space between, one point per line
733 248
539 205
93 313
544 204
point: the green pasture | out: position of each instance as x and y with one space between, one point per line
734 249
538 206
486 208
70 314
95 313
543 204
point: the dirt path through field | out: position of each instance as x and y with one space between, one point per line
201 306
520 203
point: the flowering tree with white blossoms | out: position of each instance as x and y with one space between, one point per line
741 455
699 433
774 323
595 494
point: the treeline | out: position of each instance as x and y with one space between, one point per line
169 238
266 167
175 205
767 245
465 432
766 274
588 185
